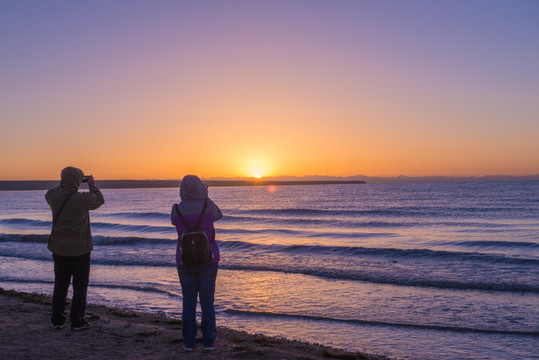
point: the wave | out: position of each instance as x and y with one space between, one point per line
152 229
280 213
96 225
390 279
31 223
299 233
25 222
329 273
131 227
130 240
392 253
343 251
135 215
97 239
397 211
496 244
383 323
151 289
337 222
339 228
157 290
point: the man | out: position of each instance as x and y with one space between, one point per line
71 243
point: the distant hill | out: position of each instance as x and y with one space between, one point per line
423 179
133 184
392 180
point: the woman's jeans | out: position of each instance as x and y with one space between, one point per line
64 268
198 280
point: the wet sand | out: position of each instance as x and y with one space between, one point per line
26 333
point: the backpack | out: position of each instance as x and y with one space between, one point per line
194 245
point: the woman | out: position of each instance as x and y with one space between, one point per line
197 279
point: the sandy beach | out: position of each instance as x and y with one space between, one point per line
26 333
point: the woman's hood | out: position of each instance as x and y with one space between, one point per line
192 188
71 178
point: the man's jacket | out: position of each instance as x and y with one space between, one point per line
71 235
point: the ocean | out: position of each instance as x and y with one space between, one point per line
410 271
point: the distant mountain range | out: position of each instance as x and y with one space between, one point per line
278 180
390 180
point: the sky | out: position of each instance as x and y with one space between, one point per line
160 89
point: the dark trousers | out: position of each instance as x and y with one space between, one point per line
66 267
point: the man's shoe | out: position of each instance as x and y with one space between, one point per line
58 326
215 346
84 326
187 348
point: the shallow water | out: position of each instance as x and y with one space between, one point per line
442 271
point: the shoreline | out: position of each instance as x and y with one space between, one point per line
27 333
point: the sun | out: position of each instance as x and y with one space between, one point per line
256 168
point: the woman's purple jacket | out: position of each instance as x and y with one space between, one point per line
193 192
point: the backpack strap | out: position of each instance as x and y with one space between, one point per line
199 221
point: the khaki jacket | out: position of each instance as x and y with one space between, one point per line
71 236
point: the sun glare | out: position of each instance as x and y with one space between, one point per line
256 168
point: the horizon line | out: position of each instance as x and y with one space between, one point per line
307 178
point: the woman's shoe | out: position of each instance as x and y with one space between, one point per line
215 346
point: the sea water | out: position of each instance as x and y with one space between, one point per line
412 271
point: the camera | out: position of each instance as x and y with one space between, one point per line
85 178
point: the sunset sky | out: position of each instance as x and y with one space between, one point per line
159 89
